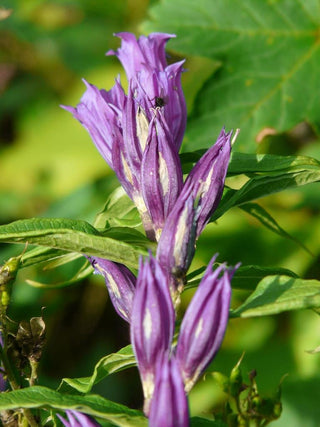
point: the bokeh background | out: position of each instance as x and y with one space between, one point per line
50 167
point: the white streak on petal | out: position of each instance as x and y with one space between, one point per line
142 128
199 328
126 169
180 236
163 174
205 185
147 324
140 204
113 285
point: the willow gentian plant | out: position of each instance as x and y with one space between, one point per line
145 240
139 135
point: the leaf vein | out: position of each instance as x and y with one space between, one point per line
284 79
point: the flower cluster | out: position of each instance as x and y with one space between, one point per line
139 134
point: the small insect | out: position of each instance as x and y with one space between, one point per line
159 102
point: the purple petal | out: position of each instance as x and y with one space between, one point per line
177 241
77 419
161 174
151 85
204 323
135 54
206 179
120 283
175 109
169 405
100 113
152 321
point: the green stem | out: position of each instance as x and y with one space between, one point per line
8 370
33 375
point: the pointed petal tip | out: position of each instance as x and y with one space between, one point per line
110 52
235 136
68 108
88 85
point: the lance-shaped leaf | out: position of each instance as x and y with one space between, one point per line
77 419
152 322
120 282
169 405
204 323
161 174
177 242
207 178
100 112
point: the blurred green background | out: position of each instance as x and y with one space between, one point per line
50 167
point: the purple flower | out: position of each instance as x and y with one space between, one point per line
100 112
199 198
204 323
177 242
169 405
152 322
144 61
161 174
120 283
125 128
77 419
147 165
206 179
135 54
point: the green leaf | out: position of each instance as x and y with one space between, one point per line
203 422
246 277
249 164
244 163
70 235
42 397
266 219
267 48
39 255
61 260
261 186
119 210
110 364
84 271
275 294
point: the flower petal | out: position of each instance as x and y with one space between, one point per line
120 282
152 321
169 405
204 323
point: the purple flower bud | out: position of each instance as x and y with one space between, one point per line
169 405
147 125
161 90
177 242
152 322
100 112
206 179
127 151
152 79
120 283
135 54
204 323
77 419
161 174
